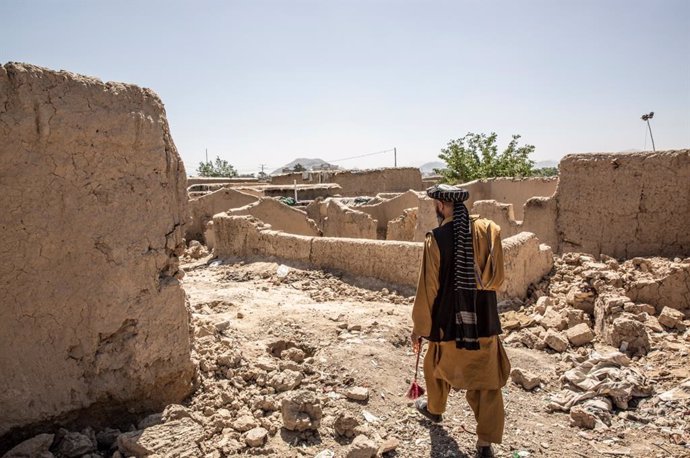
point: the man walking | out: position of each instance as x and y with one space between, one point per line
455 309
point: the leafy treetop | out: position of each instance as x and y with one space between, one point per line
219 168
476 156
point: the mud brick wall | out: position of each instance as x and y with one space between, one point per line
93 208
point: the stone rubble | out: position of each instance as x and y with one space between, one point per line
243 401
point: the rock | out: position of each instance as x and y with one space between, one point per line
229 359
652 323
175 438
357 393
73 445
556 340
244 423
618 328
670 317
36 447
361 447
389 445
527 338
301 411
345 424
175 412
256 437
196 250
151 420
580 334
630 335
580 297
266 364
294 354
106 438
553 319
575 317
579 416
286 380
542 303
636 309
525 379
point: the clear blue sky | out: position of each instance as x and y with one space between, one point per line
268 81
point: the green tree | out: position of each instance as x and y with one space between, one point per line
219 168
298 168
476 156
546 172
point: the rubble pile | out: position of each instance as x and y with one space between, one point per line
622 360
321 286
242 400
274 381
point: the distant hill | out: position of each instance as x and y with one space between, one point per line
428 168
309 164
545 164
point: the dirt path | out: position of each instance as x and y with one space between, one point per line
358 337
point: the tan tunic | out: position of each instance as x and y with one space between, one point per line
487 368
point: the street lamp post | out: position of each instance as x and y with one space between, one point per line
647 117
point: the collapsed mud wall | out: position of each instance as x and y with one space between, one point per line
403 227
625 205
93 207
341 221
539 218
390 209
280 216
203 208
390 261
515 191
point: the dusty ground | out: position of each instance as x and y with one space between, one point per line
359 337
264 334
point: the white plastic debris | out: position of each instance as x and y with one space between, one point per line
282 271
325 454
370 417
216 263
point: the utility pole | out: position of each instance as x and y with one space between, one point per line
647 117
207 155
395 157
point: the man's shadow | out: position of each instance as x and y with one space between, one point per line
443 445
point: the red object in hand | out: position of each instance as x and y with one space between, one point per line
415 390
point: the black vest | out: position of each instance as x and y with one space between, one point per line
443 311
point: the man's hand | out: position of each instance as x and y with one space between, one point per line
416 342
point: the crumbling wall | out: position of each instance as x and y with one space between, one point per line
280 216
500 213
526 261
389 209
403 227
368 182
359 182
625 205
426 218
93 208
203 208
395 262
515 191
316 211
540 218
541 214
341 221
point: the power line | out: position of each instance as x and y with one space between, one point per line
362 155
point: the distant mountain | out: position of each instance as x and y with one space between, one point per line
428 168
309 164
545 164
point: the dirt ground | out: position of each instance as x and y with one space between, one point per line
353 336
